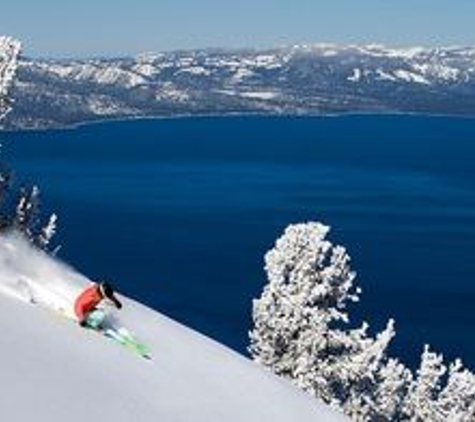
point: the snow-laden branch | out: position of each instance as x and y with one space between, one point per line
9 53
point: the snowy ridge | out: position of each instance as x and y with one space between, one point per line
53 370
303 79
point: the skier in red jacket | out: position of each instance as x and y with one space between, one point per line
87 302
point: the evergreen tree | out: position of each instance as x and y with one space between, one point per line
302 332
25 216
9 53
389 397
26 212
47 232
422 398
457 399
301 321
439 393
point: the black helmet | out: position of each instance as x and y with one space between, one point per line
106 290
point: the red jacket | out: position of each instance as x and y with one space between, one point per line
87 301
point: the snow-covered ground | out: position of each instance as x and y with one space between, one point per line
53 370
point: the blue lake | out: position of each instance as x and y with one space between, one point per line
179 213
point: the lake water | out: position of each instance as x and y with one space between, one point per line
179 213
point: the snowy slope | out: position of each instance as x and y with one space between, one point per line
53 370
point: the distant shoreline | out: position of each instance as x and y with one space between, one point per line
74 126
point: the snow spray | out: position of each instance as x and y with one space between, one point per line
32 275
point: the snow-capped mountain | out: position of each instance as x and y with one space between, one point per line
305 79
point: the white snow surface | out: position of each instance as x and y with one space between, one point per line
259 95
195 70
241 74
411 77
53 370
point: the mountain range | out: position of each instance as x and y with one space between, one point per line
298 80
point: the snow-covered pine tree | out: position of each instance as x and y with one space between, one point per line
301 327
421 402
439 393
392 385
457 399
301 332
9 52
45 235
25 217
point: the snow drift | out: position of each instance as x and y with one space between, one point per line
52 370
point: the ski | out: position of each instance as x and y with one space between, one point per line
128 340
120 335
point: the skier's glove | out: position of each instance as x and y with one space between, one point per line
83 323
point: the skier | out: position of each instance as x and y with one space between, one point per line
86 305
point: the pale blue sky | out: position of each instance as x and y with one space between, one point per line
125 27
